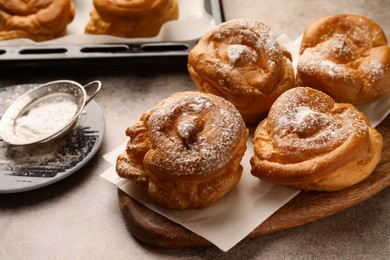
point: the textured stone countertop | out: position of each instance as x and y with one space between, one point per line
79 217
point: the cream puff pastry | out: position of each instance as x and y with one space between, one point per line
39 20
131 18
310 142
346 56
186 151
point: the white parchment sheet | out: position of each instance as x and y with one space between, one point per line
229 220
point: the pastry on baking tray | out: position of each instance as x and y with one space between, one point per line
310 142
186 151
347 57
241 61
131 18
39 20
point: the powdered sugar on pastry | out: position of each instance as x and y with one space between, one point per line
347 57
374 69
249 41
240 52
186 151
322 58
310 142
184 144
308 126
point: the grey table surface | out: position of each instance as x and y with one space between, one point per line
79 217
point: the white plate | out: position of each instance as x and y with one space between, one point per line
24 168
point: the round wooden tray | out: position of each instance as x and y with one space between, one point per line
306 207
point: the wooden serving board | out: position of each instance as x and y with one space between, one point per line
306 207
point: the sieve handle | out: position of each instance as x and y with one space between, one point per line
98 86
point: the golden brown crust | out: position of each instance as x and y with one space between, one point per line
131 18
310 142
241 61
347 57
186 151
39 20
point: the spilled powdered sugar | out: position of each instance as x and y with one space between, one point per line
192 134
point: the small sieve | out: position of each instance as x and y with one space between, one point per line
46 112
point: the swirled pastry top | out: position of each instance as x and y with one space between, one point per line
346 56
186 151
38 20
239 56
192 135
308 136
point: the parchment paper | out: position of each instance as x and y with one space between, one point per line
229 220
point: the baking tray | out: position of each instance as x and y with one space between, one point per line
73 48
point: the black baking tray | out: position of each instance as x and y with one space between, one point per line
103 52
